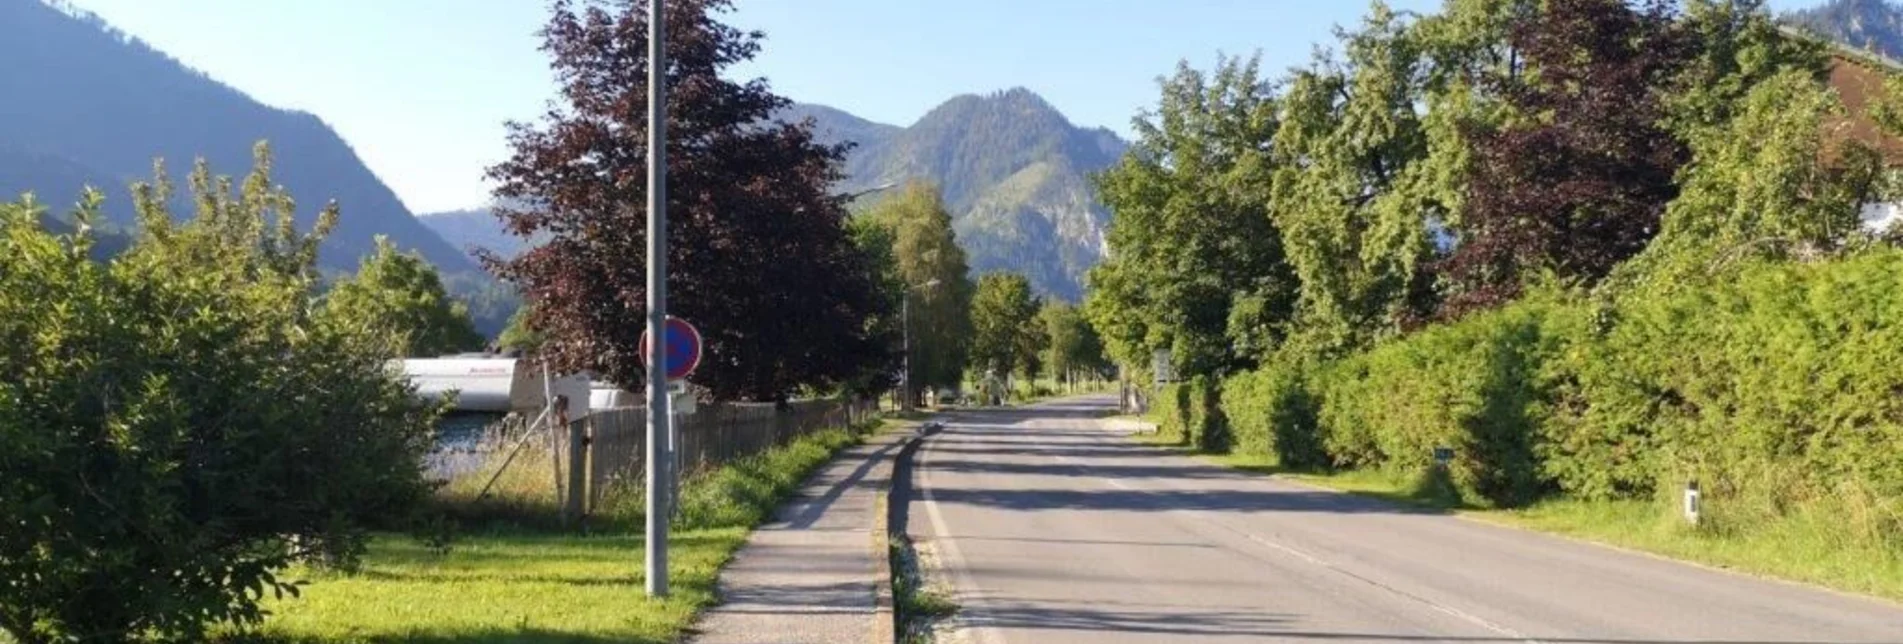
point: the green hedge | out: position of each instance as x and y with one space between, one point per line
1476 387
1271 413
1171 413
1779 390
1207 432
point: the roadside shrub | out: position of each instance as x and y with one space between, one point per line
1171 413
181 424
1270 412
1476 386
1207 431
743 493
1777 389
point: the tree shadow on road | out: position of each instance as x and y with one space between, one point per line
1208 500
1237 623
1124 618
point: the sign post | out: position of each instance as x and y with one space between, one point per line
680 349
656 532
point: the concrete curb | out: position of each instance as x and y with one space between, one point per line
884 625
885 622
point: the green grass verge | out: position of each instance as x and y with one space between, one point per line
917 605
522 581
1808 546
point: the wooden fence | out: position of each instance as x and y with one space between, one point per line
616 439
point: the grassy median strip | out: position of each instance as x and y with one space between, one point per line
518 579
1808 547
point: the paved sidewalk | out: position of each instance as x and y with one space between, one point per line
812 574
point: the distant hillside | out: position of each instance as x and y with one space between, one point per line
81 103
1872 25
472 229
837 125
1013 171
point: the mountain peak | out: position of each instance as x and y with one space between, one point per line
1875 25
80 126
1016 102
1013 172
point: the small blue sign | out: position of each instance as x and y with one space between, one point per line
683 347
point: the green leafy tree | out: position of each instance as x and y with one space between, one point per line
1764 186
400 294
1071 345
1192 233
1006 336
1737 45
875 240
1371 154
185 421
521 334
929 271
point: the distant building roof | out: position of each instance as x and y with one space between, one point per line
1857 75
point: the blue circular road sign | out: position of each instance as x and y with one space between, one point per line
683 347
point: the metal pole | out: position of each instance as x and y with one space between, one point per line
905 371
659 477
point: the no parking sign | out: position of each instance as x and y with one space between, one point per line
683 347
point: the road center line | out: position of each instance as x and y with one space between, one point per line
1317 561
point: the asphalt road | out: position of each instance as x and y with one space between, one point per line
1053 529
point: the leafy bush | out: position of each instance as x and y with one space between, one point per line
1171 413
1476 386
400 294
1206 429
182 423
743 493
1271 412
1776 390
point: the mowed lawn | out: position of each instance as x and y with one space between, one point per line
521 587
508 582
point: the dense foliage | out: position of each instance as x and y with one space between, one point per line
759 258
1271 414
913 231
1772 389
1473 387
1072 345
1582 248
1775 390
185 421
1005 335
1192 247
399 294
1580 185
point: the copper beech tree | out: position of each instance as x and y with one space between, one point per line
1579 184
758 254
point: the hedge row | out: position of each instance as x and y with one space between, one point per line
1187 414
1776 389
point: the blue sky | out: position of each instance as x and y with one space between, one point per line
421 87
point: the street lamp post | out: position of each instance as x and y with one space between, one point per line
658 456
905 360
878 188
